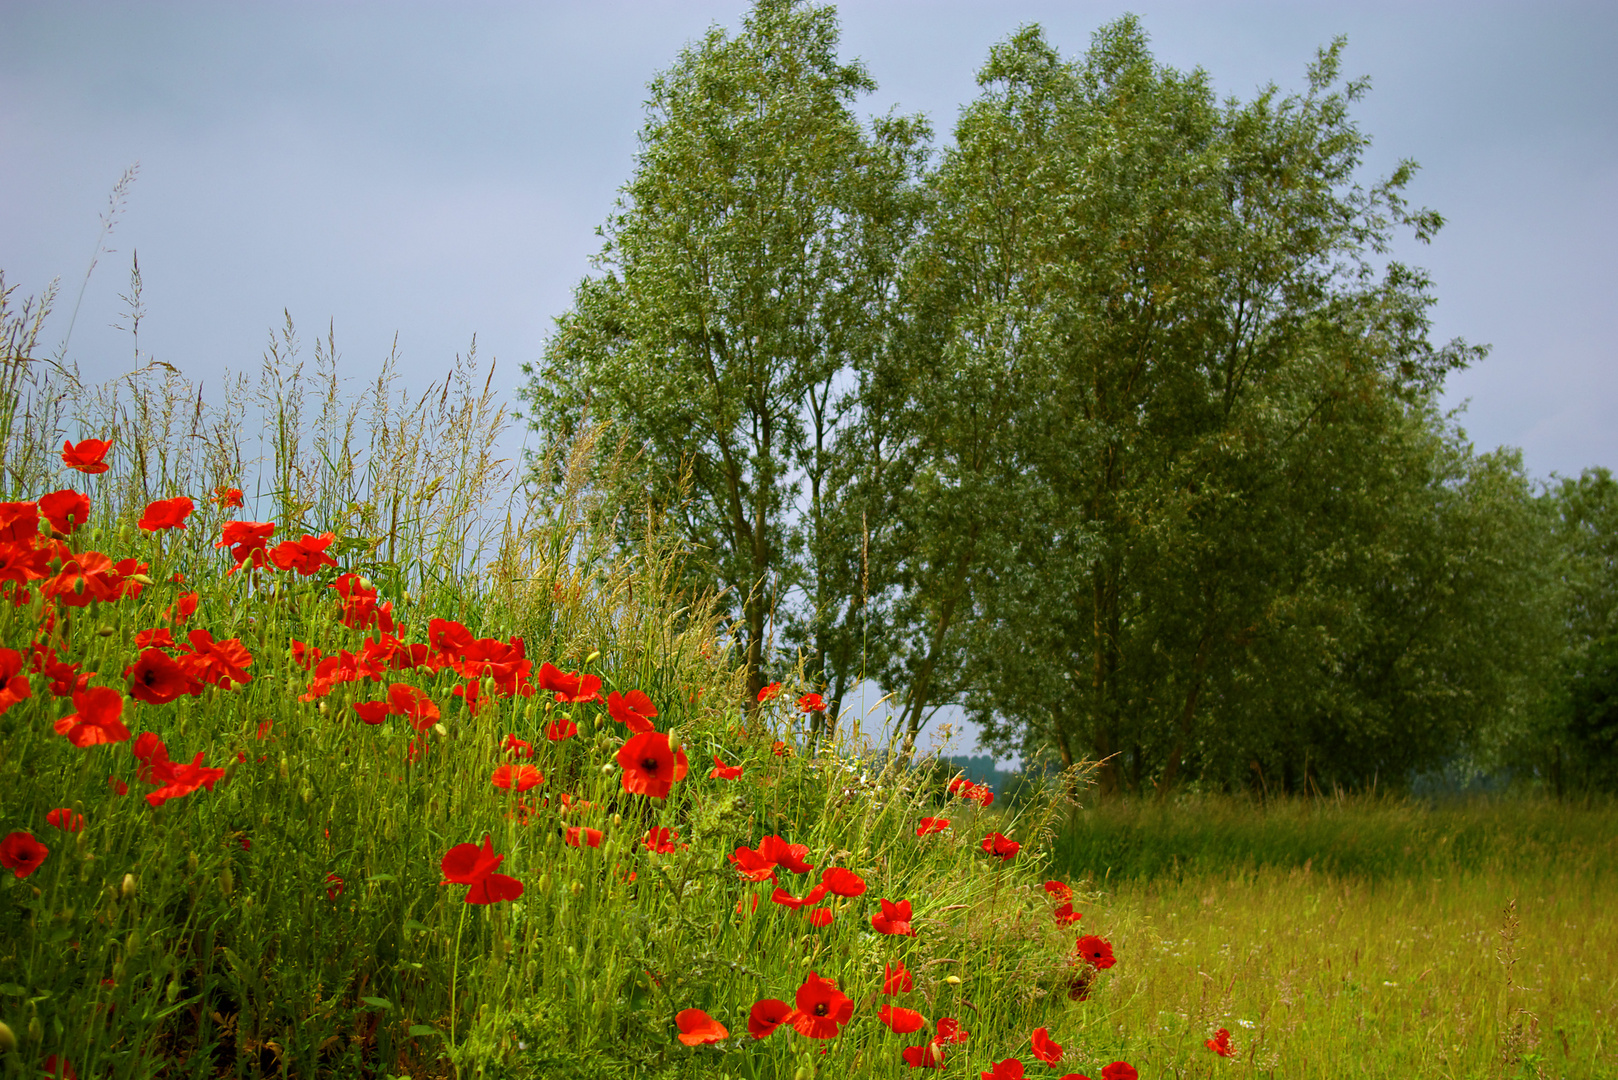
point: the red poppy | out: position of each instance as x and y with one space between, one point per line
118 786
467 864
372 712
780 749
227 496
412 704
821 917
1059 892
786 899
1009 1069
87 455
660 840
721 771
1004 847
14 685
650 768
179 781
66 510
697 1027
1119 1070
949 1031
897 980
767 1015
768 692
589 837
781 853
183 608
811 703
22 854
517 747
158 680
96 721
1066 916
1220 1043
334 887
901 1021
306 556
634 710
157 638
570 688
742 904
561 728
751 865
66 819
219 663
1096 950
166 514
932 825
925 1056
822 1009
246 540
843 881
893 919
1045 1049
966 789
521 777
59 1068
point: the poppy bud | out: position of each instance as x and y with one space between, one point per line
609 767
321 707
576 888
8 1039
283 767
805 1072
191 862
528 713
674 741
953 980
593 657
440 730
544 883
173 991
617 819
227 882
129 886
365 583
139 579
131 942
36 1030
105 631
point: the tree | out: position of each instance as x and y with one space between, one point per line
748 264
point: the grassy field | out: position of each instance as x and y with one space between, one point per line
1378 938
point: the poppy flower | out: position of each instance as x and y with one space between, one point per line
87 455
893 919
166 514
966 789
901 1021
780 749
781 853
334 887
1066 916
932 825
227 496
157 638
69 820
1044 1048
697 1027
949 1031
521 777
751 865
412 704
741 904
843 881
372 712
822 1009
219 663
650 768
570 688
118 786
925 1056
183 609
576 835
158 680
179 781
768 692
517 747
1058 891
246 540
1096 950
561 728
721 771
634 710
1009 1069
1002 846
821 917
1120 1070
97 720
467 864
66 510
897 980
59 1069
1220 1043
22 854
306 556
811 703
766 1016
660 840
786 899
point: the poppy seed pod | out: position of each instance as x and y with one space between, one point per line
8 1038
129 886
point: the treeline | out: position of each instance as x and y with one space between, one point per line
1112 421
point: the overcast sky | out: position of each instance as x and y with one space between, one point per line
438 171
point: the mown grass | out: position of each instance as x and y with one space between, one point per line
1379 938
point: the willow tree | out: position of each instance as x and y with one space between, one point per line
747 265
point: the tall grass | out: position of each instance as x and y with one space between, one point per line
292 919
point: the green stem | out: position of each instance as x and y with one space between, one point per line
455 970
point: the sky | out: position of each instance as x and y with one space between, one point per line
430 172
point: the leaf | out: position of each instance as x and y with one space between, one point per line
377 1003
412 925
12 989
379 878
422 1030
